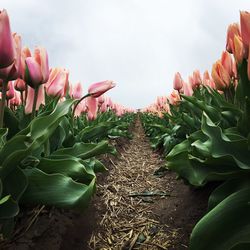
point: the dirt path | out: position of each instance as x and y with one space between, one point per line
122 219
119 217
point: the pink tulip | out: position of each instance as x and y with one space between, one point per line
76 91
196 79
16 101
20 85
178 82
99 88
37 68
7 46
11 92
220 76
174 98
91 103
238 49
187 89
13 71
81 108
233 29
24 54
57 84
227 63
30 99
245 28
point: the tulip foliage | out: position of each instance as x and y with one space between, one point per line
205 136
50 132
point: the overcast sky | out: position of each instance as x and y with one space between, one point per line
140 44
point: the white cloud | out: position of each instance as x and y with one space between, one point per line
138 43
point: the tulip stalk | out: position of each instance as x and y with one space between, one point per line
3 100
33 114
78 102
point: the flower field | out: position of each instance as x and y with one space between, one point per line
77 167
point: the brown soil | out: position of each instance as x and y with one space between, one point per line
119 217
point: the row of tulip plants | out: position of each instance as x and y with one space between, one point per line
50 131
204 129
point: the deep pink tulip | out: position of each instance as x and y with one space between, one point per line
13 71
91 103
58 82
245 28
37 68
99 88
20 85
178 82
30 99
7 46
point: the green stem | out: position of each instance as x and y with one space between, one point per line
22 97
78 102
3 100
34 102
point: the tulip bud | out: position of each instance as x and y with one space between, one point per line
7 46
233 29
220 76
58 82
187 89
37 68
245 28
196 79
76 91
227 63
177 81
11 92
20 85
99 88
238 49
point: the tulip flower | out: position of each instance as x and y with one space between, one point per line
174 98
196 79
30 104
187 89
37 68
91 103
99 88
178 82
227 63
238 49
57 84
220 76
233 29
24 54
11 92
20 85
76 91
7 47
16 101
245 28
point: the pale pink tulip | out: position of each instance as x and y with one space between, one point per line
227 63
245 28
91 103
57 84
30 99
99 88
187 89
174 98
178 82
196 79
238 49
76 91
233 29
16 101
24 54
220 76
